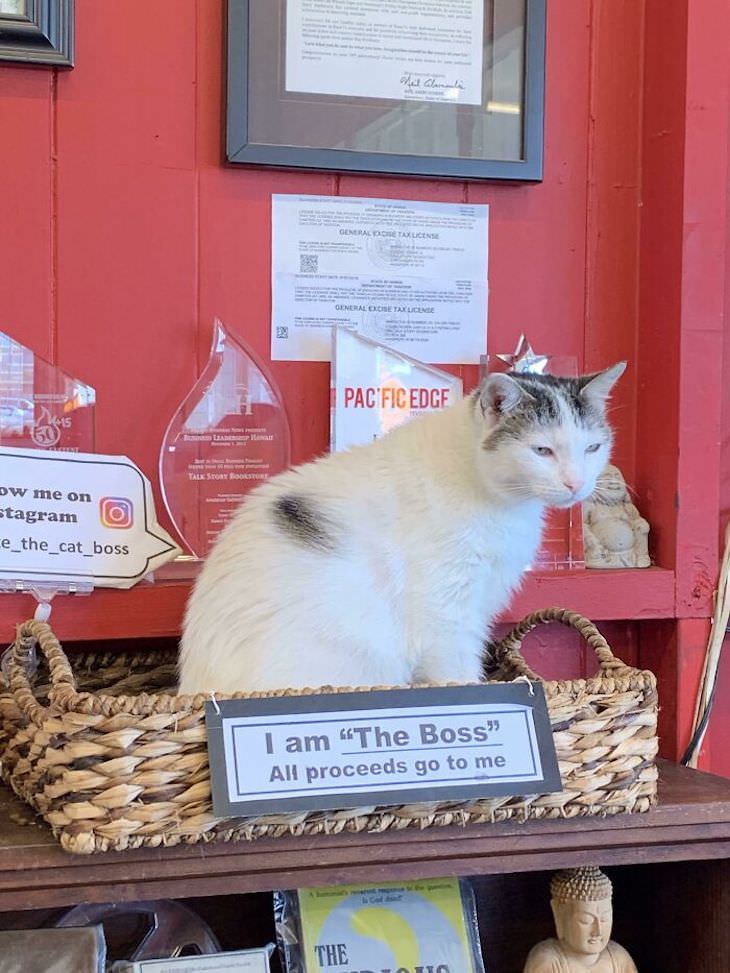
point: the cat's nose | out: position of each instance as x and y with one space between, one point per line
572 483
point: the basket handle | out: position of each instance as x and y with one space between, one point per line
506 653
63 685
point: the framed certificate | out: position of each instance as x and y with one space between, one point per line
446 88
37 31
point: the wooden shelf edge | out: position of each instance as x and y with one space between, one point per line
156 610
600 595
691 822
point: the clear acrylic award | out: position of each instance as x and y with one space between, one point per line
41 407
229 435
375 389
562 540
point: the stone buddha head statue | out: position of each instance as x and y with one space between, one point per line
581 902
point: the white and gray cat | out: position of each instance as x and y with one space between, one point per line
389 563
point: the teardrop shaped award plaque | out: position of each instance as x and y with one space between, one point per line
229 434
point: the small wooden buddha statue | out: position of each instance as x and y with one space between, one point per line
581 902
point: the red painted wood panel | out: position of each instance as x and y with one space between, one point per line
682 289
235 248
682 302
538 232
657 412
706 191
27 122
125 233
556 652
614 207
675 651
719 730
127 217
155 235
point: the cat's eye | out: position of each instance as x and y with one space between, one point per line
542 450
593 448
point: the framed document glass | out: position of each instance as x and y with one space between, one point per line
37 31
447 88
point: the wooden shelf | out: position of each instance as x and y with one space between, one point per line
156 610
600 595
691 823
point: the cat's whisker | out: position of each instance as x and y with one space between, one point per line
602 495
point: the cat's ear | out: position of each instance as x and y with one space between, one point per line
500 394
597 388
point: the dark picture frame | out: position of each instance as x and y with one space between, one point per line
244 82
44 34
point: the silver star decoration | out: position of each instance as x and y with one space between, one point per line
524 359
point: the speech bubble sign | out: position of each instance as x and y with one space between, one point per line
77 517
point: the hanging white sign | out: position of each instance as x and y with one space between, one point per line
77 517
383 747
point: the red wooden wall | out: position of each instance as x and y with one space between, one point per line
122 234
719 732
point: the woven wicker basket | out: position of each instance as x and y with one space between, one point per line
112 759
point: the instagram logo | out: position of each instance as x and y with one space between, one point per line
116 512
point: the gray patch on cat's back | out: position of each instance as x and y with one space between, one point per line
299 519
